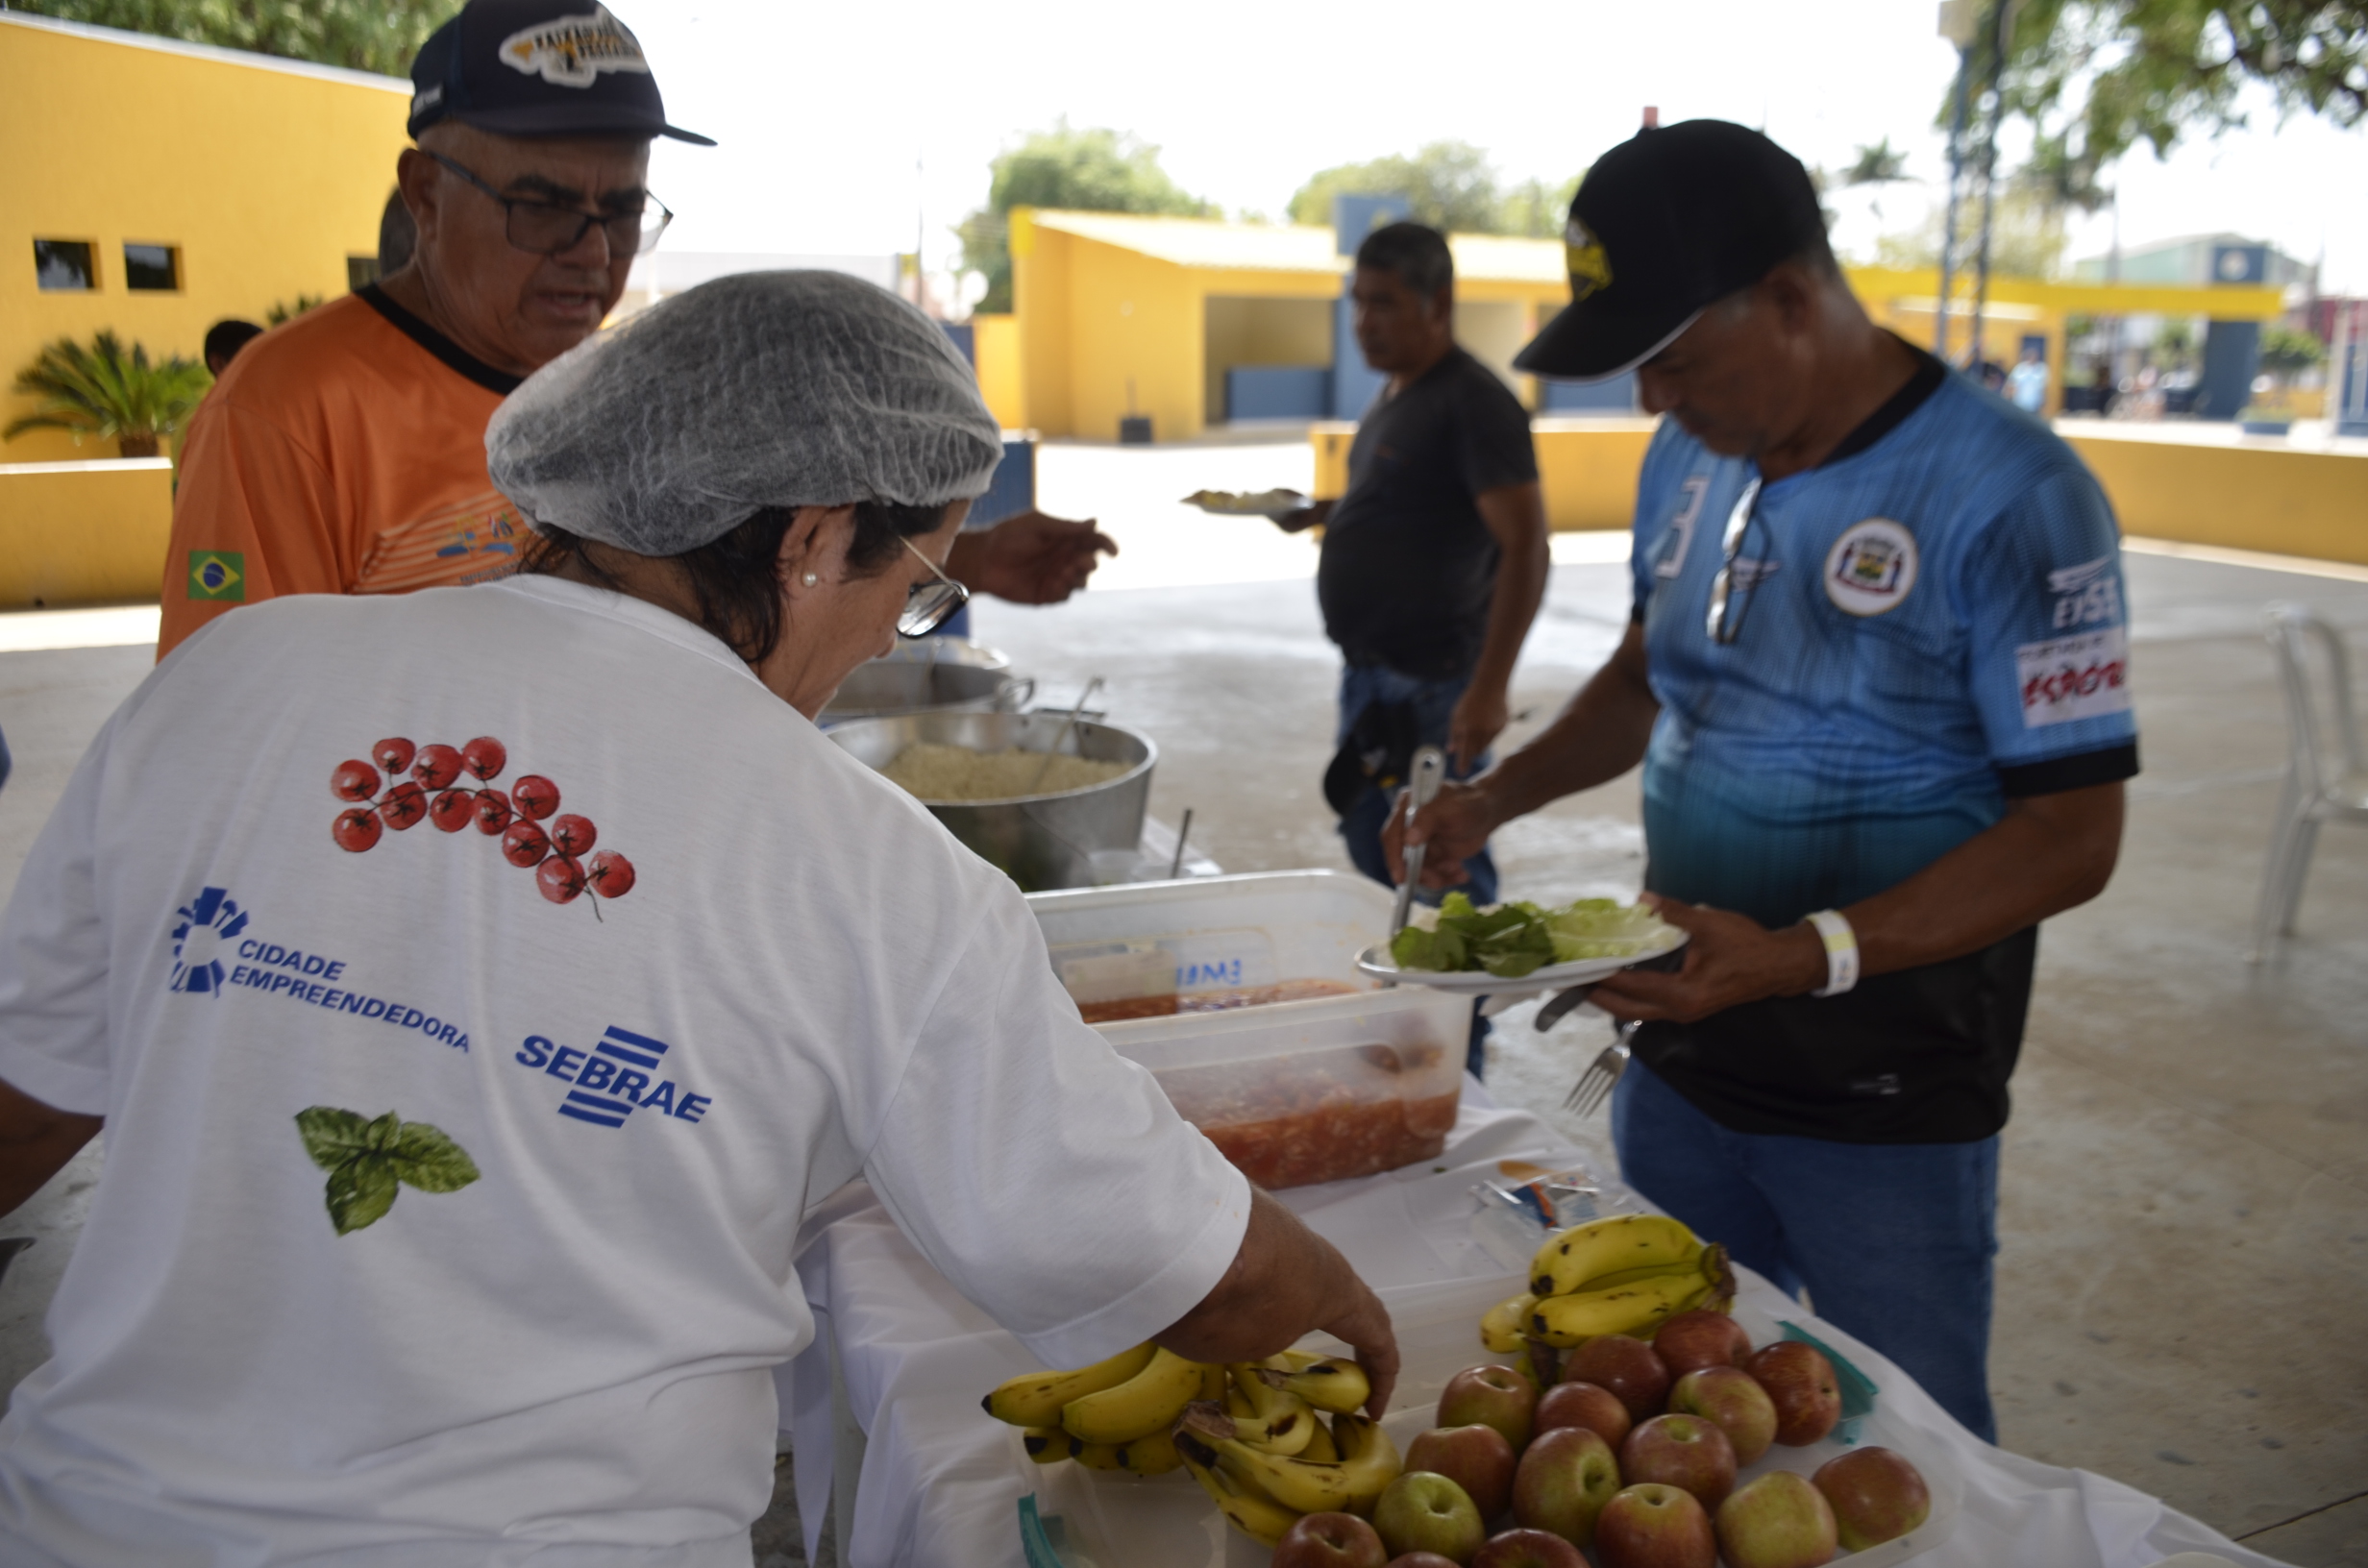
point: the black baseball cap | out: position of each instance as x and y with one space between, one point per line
1666 222
539 68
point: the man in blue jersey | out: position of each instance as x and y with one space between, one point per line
1876 676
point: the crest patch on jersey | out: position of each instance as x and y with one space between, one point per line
1871 568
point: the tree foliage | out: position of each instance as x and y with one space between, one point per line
2096 78
1879 164
1448 184
2286 350
1091 170
380 35
2027 237
109 392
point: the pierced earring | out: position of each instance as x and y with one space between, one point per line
810 579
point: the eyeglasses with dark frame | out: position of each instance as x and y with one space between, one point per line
929 606
550 229
1730 601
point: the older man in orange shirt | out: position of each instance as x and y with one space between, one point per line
344 453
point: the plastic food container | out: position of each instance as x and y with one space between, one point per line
1292 1091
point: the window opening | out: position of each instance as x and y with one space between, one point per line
154 269
65 265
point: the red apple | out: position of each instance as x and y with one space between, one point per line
1476 1458
1876 1496
1330 1540
1692 1340
1420 1512
1683 1450
1584 1405
1563 1482
1420 1559
1655 1527
1493 1396
1630 1368
1779 1521
1800 1382
1528 1548
1732 1399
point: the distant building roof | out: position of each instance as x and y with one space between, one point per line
2187 259
1262 247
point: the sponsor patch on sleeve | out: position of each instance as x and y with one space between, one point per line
2074 677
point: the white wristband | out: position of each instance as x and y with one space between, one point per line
1841 951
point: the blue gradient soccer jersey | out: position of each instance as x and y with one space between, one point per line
1925 624
1922 627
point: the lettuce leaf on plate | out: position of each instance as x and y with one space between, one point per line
1516 939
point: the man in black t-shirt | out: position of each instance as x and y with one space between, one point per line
1435 558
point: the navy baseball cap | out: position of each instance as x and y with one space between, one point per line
539 68
1666 222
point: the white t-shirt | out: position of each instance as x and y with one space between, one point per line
607 1114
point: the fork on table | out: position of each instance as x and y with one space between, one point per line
1596 1083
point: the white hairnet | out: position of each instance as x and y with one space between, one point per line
760 389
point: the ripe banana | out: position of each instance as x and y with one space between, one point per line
1369 1459
1047 1445
1321 1448
1214 1381
1500 1326
1152 1456
1690 1264
1299 1485
1037 1399
1611 1245
1144 1404
1098 1456
1329 1383
1260 1518
1629 1308
1280 1421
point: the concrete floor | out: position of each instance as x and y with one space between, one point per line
2185 1216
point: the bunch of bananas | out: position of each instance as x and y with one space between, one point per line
1626 1274
1268 1441
1113 1415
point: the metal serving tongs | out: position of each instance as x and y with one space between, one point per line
1430 769
1061 734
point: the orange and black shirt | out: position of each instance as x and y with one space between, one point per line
343 453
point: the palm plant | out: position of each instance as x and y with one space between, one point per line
103 391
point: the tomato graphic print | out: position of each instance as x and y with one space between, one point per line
517 817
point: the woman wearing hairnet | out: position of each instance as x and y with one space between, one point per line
477 986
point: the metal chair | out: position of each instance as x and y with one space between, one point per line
2326 771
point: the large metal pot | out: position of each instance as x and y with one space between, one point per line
1040 840
926 675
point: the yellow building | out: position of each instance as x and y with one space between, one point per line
181 184
1118 315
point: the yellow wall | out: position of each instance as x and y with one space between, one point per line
265 175
83 534
1248 330
2269 499
2260 497
996 341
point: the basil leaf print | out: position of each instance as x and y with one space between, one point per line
425 1158
332 1136
361 1191
369 1161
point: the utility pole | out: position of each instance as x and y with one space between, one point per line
1960 25
2002 34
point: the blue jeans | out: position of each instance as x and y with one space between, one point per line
1893 1241
1434 705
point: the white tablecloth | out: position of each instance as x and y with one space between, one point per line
938 1488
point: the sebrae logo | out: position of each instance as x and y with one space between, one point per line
208 923
573 51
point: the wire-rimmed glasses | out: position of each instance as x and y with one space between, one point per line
928 605
551 228
1730 598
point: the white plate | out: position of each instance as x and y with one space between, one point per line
1376 962
1268 503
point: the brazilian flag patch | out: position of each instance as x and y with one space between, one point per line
218 575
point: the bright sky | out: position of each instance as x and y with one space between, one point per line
824 109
